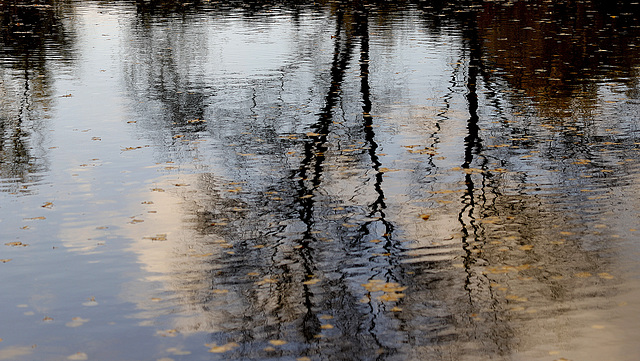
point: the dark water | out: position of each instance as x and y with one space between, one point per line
423 180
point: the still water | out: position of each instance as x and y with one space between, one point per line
329 180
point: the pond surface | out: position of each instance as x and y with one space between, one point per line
319 180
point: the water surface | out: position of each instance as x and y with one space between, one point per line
319 180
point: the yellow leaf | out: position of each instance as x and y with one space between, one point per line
326 327
16 244
277 342
425 216
224 348
605 275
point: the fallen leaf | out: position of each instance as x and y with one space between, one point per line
425 216
277 342
16 244
224 348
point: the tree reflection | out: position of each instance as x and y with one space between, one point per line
294 218
32 37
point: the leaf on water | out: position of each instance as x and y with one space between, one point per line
304 358
516 298
253 274
219 291
35 218
16 244
157 190
167 333
96 138
425 216
312 134
266 280
178 352
156 299
269 349
582 161
326 317
312 281
526 247
47 319
605 275
224 348
47 205
91 301
278 342
396 309
157 237
326 327
583 274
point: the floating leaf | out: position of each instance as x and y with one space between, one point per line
47 205
425 216
158 237
312 281
326 327
277 342
167 333
178 352
16 244
224 348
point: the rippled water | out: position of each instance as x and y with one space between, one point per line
319 180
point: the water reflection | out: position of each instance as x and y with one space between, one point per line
363 180
32 37
294 223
